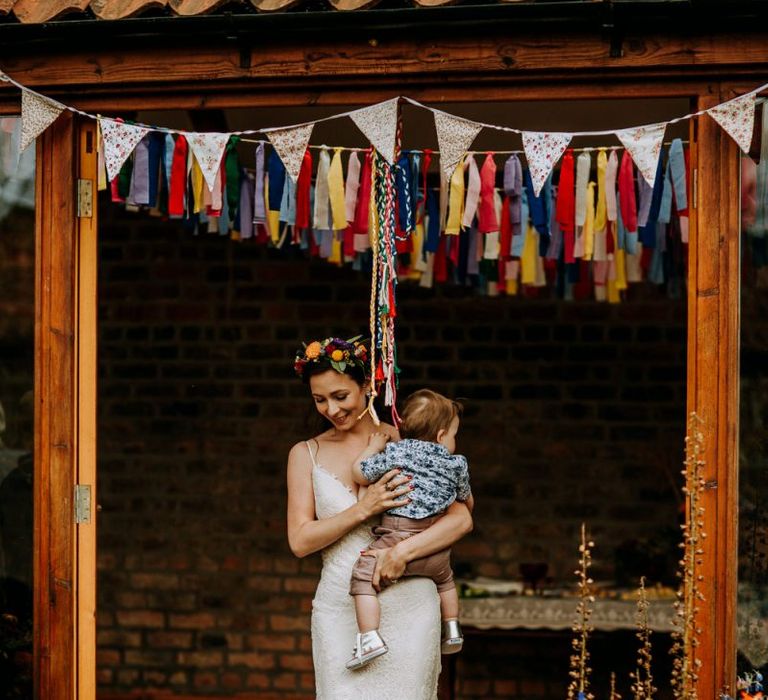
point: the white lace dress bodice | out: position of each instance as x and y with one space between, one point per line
410 619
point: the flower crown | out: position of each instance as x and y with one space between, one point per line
339 353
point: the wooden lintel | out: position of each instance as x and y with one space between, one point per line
509 56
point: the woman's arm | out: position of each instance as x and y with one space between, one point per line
390 563
306 534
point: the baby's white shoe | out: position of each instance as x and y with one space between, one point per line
369 646
453 639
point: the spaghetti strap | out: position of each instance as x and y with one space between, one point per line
311 454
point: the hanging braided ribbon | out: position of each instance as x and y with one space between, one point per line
383 230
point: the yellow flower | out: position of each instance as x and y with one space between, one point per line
313 350
337 355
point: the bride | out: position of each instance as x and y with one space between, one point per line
327 512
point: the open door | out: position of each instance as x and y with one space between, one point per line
65 415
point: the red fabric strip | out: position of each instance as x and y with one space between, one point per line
627 197
486 212
178 186
565 209
303 185
360 224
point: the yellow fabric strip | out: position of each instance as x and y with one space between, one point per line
335 256
456 201
336 192
589 223
601 211
273 222
528 258
621 269
417 264
198 186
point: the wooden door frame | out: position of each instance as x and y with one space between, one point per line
65 414
66 355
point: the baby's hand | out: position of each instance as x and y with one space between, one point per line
377 441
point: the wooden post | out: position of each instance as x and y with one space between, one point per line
65 371
713 381
87 363
55 419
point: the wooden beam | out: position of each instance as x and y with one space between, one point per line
55 411
390 55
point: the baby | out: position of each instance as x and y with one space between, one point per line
426 454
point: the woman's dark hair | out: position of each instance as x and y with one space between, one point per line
323 364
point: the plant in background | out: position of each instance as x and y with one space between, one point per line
642 679
686 664
580 672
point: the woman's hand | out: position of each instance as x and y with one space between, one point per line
390 566
388 492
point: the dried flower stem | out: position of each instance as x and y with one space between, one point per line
686 665
578 689
614 695
642 685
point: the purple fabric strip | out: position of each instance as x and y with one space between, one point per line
139 193
473 264
646 197
259 207
246 207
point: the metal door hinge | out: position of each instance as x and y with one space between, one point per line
85 199
82 503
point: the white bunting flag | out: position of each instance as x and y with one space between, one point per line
454 136
379 124
291 145
37 114
542 151
208 149
119 141
644 145
737 117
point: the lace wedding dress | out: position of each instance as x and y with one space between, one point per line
410 618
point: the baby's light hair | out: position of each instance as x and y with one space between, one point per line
426 412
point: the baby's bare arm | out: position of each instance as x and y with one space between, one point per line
376 443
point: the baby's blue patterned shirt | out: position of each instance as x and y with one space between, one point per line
440 477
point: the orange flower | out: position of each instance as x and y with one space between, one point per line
313 350
337 355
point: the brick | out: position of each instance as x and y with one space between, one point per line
155 581
117 638
271 642
300 585
193 621
252 660
148 658
257 680
169 640
203 680
295 662
285 681
287 623
140 618
108 657
200 659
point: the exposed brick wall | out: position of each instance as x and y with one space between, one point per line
574 411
